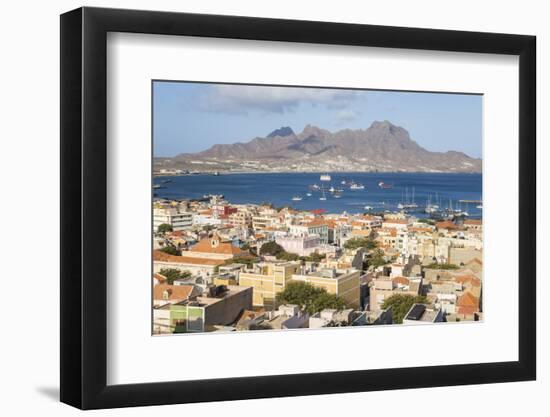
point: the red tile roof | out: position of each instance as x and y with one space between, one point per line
175 292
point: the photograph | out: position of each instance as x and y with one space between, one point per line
291 207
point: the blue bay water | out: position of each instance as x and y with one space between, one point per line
279 188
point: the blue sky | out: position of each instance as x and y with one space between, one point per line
191 117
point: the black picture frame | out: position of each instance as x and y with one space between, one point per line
84 207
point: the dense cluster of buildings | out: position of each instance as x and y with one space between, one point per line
210 273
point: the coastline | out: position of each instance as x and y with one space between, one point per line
219 173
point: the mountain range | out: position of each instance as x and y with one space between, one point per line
383 147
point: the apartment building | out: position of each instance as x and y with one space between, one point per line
268 279
179 220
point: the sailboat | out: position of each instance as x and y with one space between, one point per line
409 204
323 196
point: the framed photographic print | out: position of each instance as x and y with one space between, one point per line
258 208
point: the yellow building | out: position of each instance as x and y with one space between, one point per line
267 280
343 283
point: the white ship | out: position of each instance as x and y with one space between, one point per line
356 186
296 198
325 177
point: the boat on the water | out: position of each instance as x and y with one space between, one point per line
314 187
356 186
383 185
296 198
308 194
325 177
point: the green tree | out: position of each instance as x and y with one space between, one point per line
314 257
271 248
436 265
377 259
361 242
310 299
173 274
401 303
287 256
170 250
164 227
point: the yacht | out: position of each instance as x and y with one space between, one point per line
356 186
325 177
296 198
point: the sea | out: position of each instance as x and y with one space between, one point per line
443 189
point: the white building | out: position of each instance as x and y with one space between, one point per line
172 216
303 245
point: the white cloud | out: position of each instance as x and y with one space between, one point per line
244 98
346 115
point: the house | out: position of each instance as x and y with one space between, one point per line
214 248
382 288
421 314
197 266
330 316
172 294
467 304
219 306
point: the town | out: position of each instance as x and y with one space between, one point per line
219 266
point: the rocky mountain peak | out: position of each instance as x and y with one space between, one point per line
283 131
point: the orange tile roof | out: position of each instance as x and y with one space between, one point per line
401 280
468 279
206 245
188 260
159 277
396 221
369 217
317 222
468 300
175 292
473 222
446 225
